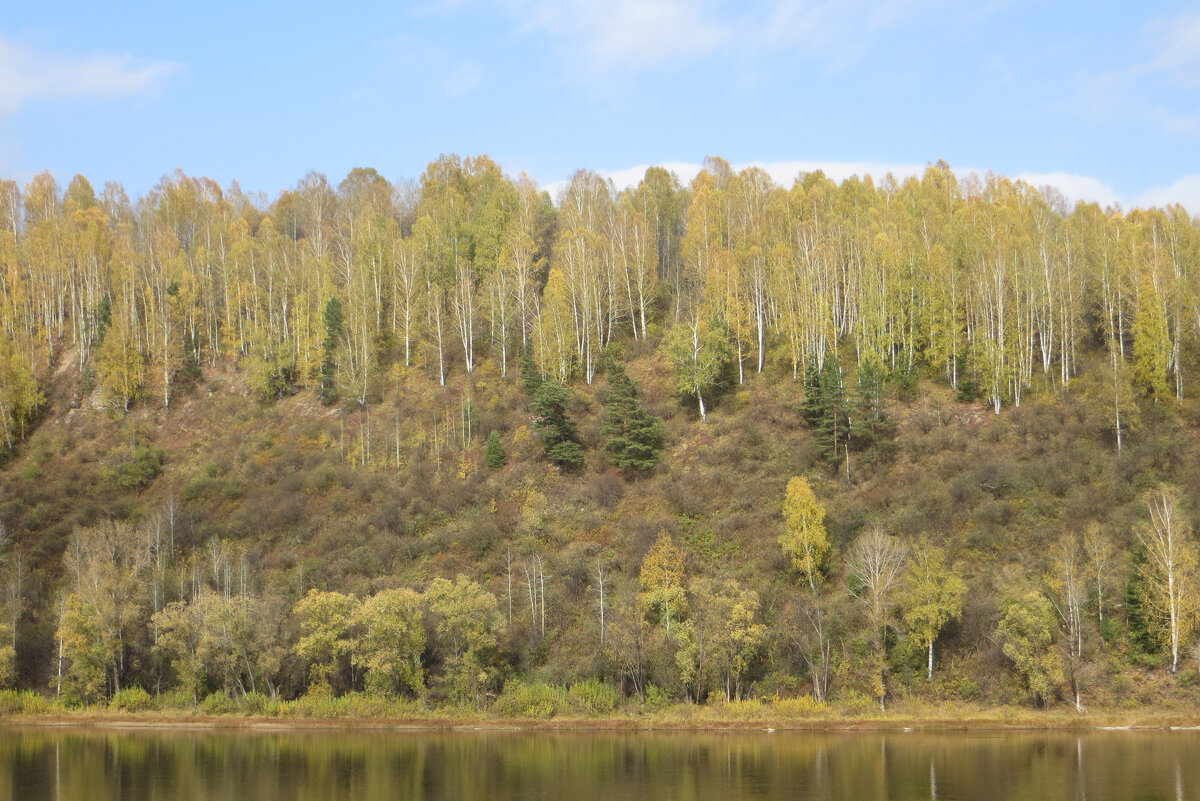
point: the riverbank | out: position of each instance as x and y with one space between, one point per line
368 713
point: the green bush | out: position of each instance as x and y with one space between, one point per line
656 698
176 699
532 700
218 703
131 699
140 470
255 704
25 702
592 697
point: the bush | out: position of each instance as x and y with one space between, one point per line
256 704
534 700
218 703
140 470
178 699
131 699
24 702
592 697
656 698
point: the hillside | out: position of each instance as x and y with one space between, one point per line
275 499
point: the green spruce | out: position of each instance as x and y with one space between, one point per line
810 407
493 452
634 437
554 425
531 376
871 431
327 379
833 425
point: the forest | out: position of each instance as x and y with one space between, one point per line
456 442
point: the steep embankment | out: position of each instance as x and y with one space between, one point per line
293 495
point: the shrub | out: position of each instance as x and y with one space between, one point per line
131 699
140 470
218 703
533 700
26 702
592 697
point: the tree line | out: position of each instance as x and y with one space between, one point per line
135 611
989 283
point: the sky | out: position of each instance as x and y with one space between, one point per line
1100 99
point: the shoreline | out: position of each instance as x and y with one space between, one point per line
1001 720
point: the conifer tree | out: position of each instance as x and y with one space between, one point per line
554 424
833 426
531 376
810 407
327 388
869 425
493 452
634 437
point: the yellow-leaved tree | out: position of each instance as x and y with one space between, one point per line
662 577
934 596
804 538
20 397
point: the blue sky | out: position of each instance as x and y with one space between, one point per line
1100 98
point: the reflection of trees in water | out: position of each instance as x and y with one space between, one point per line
430 766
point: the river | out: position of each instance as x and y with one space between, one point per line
99 764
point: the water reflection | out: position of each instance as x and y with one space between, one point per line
96 764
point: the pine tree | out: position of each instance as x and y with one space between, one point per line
833 427
493 452
555 426
531 376
810 407
327 380
869 426
634 437
103 319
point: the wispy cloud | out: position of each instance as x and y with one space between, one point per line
30 75
625 35
416 60
837 31
1176 43
601 37
1172 56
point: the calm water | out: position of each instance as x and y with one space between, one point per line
96 765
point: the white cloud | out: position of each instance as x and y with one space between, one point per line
626 35
1185 191
30 75
1074 187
